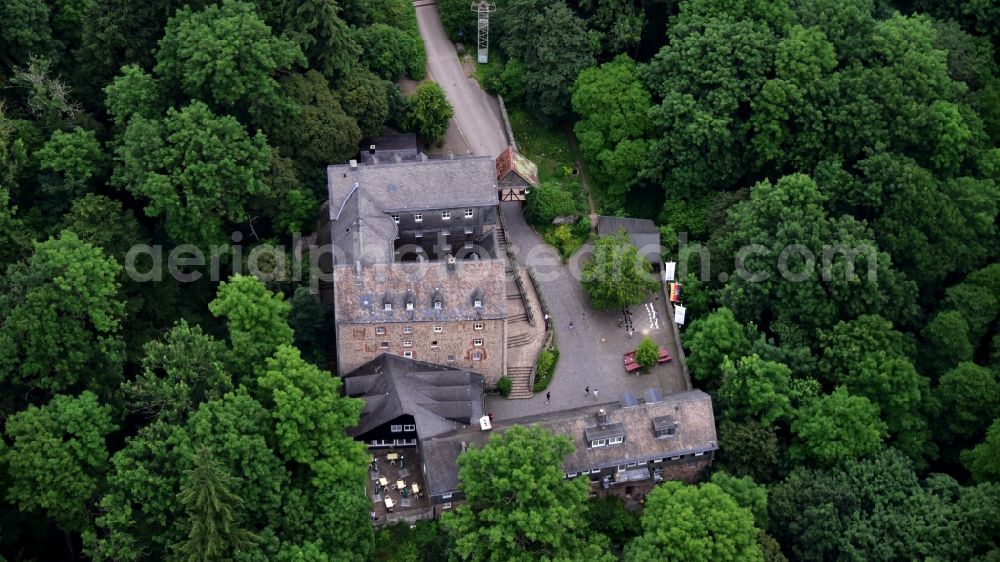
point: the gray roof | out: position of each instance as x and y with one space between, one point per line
422 283
362 198
440 399
606 431
642 232
692 411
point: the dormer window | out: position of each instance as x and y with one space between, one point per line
477 303
409 306
468 213
445 215
395 217
418 217
387 307
437 305
664 426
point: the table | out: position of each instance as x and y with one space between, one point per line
392 456
388 502
415 488
383 481
400 484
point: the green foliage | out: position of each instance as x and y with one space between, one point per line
504 386
458 20
178 374
133 92
325 39
877 509
102 222
26 31
226 55
312 323
647 353
545 367
60 319
757 388
694 523
427 111
747 493
76 160
970 397
392 53
983 461
713 339
837 427
515 492
424 541
257 321
748 449
188 163
546 202
320 131
946 342
553 46
617 276
505 79
609 516
836 273
364 97
613 106
58 457
213 518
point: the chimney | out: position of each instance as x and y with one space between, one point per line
602 418
354 165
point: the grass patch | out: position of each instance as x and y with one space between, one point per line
546 366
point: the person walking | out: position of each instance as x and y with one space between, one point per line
548 397
570 325
595 395
586 391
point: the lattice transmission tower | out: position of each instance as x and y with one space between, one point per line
484 8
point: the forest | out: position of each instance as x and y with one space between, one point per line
858 415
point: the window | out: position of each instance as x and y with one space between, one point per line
445 232
384 345
643 463
451 358
598 442
409 306
468 230
571 474
446 505
629 465
387 307
468 213
446 497
407 329
418 233
434 343
437 305
674 458
477 326
477 303
699 454
467 245
396 428
477 356
409 427
445 215
595 471
445 247
418 217
478 342
407 343
615 440
380 330
621 468
395 218
438 329
408 354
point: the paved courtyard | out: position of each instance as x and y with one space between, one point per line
590 354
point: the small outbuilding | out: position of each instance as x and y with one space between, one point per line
515 175
642 232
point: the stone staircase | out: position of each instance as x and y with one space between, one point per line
518 329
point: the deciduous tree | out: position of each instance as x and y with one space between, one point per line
837 427
617 276
428 111
257 321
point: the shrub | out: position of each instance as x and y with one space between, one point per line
504 385
647 353
545 367
546 202
428 112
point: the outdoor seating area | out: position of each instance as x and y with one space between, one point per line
396 482
632 366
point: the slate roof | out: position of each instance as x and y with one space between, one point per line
512 161
440 399
642 232
423 282
692 411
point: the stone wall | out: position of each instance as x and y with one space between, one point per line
359 343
